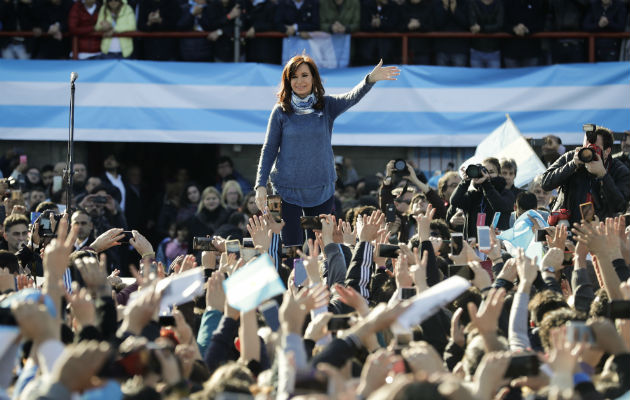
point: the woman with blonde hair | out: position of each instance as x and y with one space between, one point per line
116 16
210 214
232 196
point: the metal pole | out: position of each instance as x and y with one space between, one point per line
70 159
237 39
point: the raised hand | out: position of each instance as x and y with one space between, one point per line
419 270
82 306
371 225
424 223
318 327
401 272
215 295
311 262
141 244
259 231
77 367
352 298
94 275
107 239
380 73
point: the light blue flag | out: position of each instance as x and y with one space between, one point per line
521 234
253 283
328 51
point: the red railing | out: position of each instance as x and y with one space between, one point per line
404 36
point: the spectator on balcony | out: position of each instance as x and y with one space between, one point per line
260 18
223 16
115 17
297 17
17 16
419 18
606 16
52 17
194 16
81 21
339 16
380 16
452 16
522 18
567 16
486 16
158 16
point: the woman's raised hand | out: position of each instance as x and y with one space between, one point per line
380 73
261 197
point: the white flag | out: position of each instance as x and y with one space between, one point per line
507 142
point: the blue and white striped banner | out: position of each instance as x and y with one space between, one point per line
143 101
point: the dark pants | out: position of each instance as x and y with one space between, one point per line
292 233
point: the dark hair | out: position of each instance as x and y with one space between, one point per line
81 210
607 137
13 220
284 95
554 137
47 168
47 206
236 218
554 319
543 302
526 201
364 211
9 260
494 161
441 226
600 303
509 163
98 188
223 159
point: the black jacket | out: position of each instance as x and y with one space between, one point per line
390 15
530 13
448 21
490 198
306 18
490 19
610 194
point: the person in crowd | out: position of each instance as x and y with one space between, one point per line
508 172
249 207
113 181
303 172
419 17
232 196
224 14
380 16
523 18
136 199
158 16
210 214
79 178
552 149
487 197
33 178
297 17
604 181
47 175
18 16
81 21
15 232
452 16
116 16
52 18
339 16
259 19
543 197
173 246
486 16
624 154
226 172
36 196
104 210
567 16
606 16
189 202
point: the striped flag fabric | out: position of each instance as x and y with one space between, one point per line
148 101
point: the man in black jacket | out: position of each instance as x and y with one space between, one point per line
605 181
624 154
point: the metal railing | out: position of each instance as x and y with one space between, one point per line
403 36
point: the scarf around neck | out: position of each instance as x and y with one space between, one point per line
303 106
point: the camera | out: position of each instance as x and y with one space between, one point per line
475 171
587 154
400 167
45 224
99 200
556 216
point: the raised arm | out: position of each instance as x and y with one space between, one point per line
268 156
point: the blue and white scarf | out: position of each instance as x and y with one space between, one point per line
303 106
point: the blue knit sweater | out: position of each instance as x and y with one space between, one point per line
297 153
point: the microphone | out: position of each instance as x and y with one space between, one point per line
73 77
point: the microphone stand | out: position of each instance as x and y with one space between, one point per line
69 172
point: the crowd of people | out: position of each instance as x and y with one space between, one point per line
556 327
218 19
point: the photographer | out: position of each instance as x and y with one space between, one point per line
488 196
604 181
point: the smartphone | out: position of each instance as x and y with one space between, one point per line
248 242
274 204
619 309
57 183
483 237
310 222
388 250
495 219
299 276
23 159
128 235
462 270
588 211
390 212
407 293
523 365
541 235
166 320
233 247
207 272
627 218
34 216
45 226
339 323
289 251
247 253
578 330
269 311
457 243
203 243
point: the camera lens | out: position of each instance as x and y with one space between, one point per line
586 155
400 165
473 171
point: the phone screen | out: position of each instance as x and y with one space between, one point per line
495 219
233 247
299 275
457 243
390 212
523 365
338 323
274 203
269 310
587 211
483 237
461 270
